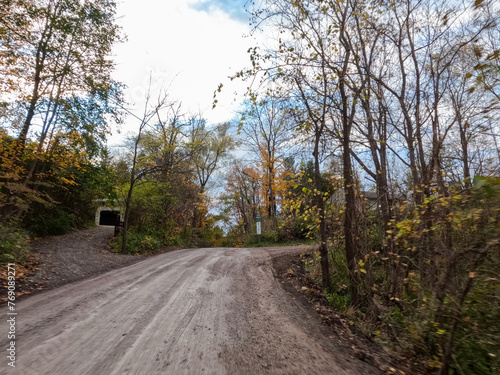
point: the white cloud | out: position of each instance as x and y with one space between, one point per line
193 50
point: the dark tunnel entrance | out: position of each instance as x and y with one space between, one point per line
109 217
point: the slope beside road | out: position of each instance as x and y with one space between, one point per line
197 311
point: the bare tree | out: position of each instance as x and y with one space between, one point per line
139 169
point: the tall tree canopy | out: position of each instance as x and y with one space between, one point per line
56 86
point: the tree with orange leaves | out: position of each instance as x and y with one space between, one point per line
267 126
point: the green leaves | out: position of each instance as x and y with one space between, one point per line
489 185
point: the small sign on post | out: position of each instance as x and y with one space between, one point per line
119 227
258 227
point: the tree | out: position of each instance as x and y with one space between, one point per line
209 148
407 89
308 60
267 126
142 165
55 54
58 49
243 195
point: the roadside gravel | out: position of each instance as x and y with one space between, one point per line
59 260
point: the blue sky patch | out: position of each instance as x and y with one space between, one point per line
234 8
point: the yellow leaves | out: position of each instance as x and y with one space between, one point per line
67 181
435 362
361 268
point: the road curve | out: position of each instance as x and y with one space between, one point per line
197 311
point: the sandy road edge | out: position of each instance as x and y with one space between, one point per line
288 270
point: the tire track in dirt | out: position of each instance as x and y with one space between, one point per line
200 311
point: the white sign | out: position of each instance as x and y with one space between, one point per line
258 227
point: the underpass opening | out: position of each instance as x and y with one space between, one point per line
109 217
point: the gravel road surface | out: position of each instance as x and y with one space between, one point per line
197 311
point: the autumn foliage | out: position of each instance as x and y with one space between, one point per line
393 112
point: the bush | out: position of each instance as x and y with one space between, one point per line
430 286
268 238
51 223
144 243
137 243
14 244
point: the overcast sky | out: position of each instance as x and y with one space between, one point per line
190 46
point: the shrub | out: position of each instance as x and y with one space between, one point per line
51 223
267 238
14 244
270 236
137 243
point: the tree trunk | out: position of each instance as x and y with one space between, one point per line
195 224
320 204
349 214
126 218
40 56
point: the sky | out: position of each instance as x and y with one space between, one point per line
188 47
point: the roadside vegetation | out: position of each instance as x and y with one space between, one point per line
370 128
390 161
56 101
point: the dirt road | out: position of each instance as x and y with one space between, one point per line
203 311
